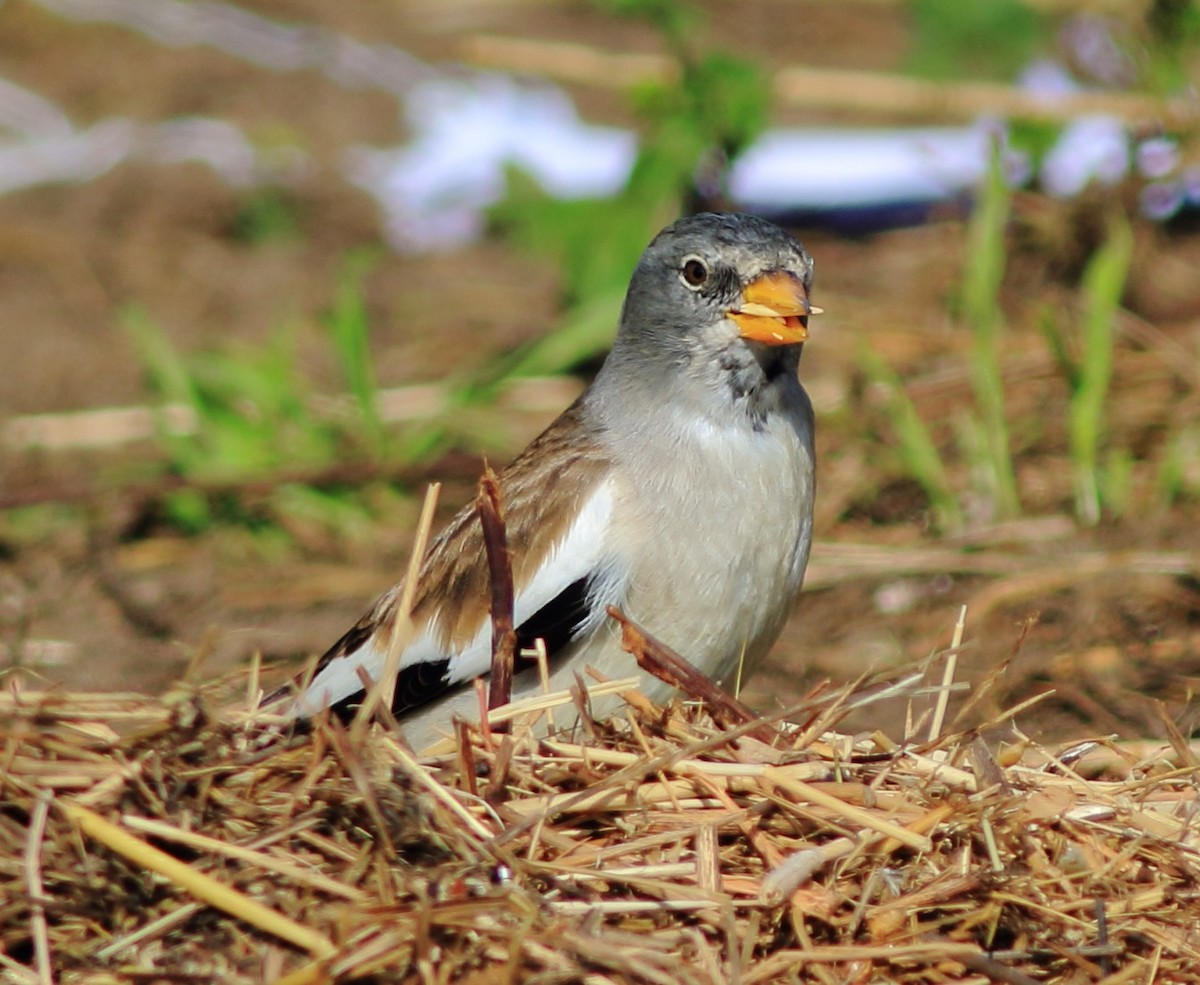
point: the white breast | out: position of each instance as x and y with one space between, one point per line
719 519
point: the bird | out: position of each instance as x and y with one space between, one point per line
678 487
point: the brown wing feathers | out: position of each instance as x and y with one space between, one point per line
542 491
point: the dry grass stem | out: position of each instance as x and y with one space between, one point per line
383 691
824 88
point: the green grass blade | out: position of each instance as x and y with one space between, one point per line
982 278
1103 285
917 448
173 382
349 327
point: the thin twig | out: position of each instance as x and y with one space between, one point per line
656 658
504 637
943 699
384 691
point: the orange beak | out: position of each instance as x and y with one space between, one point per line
774 309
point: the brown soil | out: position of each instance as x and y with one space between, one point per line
96 594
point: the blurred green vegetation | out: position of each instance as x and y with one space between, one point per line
718 106
265 215
254 412
1174 34
350 332
953 39
983 276
1089 373
1083 347
250 414
916 448
249 407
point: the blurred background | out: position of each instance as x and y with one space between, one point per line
268 268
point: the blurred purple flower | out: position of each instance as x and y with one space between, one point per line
1045 77
1089 148
1091 43
1161 199
1157 157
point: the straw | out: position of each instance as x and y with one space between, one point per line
656 846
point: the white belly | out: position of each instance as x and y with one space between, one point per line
700 569
734 570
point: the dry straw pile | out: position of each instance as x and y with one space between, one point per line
148 840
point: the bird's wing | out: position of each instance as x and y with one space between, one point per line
557 506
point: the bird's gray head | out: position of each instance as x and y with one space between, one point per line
711 333
716 281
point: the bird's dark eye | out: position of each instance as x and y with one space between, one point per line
694 272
